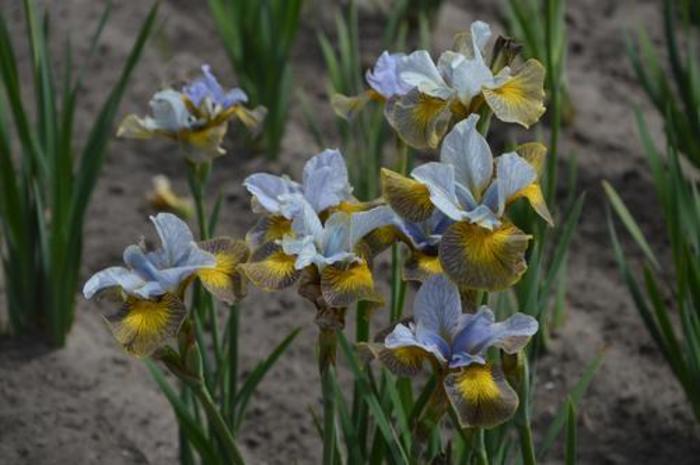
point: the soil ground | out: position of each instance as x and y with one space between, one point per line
89 403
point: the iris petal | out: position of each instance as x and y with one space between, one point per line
141 325
519 99
419 119
408 198
344 284
270 268
224 280
477 258
481 396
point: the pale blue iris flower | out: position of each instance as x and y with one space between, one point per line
384 77
460 74
454 338
325 184
462 184
319 244
152 274
207 87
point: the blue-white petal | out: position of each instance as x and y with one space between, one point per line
268 188
468 152
325 180
437 306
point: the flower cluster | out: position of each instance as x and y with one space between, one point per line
451 214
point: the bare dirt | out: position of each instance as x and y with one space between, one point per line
89 403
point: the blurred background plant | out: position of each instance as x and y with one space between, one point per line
677 99
540 26
259 36
46 180
669 301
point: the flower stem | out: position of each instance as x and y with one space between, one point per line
222 430
482 456
327 344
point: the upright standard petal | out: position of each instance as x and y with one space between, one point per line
384 77
325 180
418 70
519 98
472 44
305 220
437 306
170 112
468 152
513 174
268 188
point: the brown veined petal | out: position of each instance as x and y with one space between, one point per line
381 239
535 154
402 361
519 99
224 280
481 396
533 194
478 258
141 325
421 266
268 229
410 199
419 119
344 284
270 268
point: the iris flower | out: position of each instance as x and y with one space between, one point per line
456 345
331 250
196 116
423 99
482 249
325 185
153 283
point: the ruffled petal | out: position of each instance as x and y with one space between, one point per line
477 258
384 77
270 268
437 307
481 396
325 180
519 98
419 119
267 190
223 280
408 198
345 283
468 152
418 70
141 326
421 266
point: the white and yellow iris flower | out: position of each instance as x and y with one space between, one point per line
456 345
325 184
329 249
482 249
197 116
152 284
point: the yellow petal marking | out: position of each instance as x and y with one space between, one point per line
477 258
407 197
520 99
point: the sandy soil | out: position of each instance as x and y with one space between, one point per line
89 403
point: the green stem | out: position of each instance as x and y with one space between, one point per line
327 344
527 446
555 96
222 430
481 456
